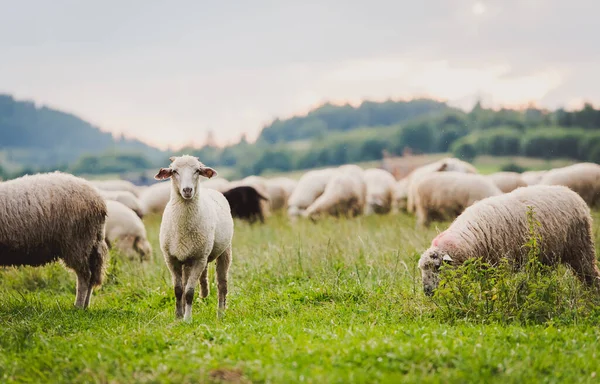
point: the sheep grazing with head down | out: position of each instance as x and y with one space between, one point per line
498 227
126 198
380 184
444 195
196 229
156 197
532 177
125 232
583 178
344 196
400 195
448 164
310 186
507 181
46 217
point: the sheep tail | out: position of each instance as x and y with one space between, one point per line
97 260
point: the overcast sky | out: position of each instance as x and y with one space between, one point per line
169 71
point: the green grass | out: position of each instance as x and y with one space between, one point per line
337 301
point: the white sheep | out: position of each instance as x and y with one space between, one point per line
498 227
400 195
344 195
583 178
310 186
218 184
507 181
126 198
116 185
125 232
279 190
196 229
380 184
532 177
444 195
448 164
155 198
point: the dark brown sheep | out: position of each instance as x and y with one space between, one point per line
245 203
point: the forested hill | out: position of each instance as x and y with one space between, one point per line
41 136
333 118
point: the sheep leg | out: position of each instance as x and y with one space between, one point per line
88 296
204 289
223 263
83 285
176 270
196 267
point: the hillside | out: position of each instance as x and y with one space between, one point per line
330 118
43 137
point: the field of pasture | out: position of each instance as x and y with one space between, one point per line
333 301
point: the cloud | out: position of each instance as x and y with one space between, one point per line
169 74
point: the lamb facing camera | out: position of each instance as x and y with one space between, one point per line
196 228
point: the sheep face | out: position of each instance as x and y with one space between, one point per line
429 264
185 172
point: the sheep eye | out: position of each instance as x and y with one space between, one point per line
175 172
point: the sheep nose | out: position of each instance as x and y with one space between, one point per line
187 190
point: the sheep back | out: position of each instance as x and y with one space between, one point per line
583 178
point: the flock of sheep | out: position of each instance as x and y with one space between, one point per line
53 216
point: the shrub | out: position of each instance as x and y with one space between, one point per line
532 294
512 167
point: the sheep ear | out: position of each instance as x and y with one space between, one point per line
172 158
443 167
207 172
163 174
447 259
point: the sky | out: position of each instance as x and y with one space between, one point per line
169 72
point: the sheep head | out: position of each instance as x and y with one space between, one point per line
185 172
429 264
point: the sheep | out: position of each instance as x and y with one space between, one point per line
445 195
532 177
583 178
126 198
260 184
45 217
380 184
448 164
279 191
116 185
218 184
245 203
310 186
155 198
507 181
196 228
351 168
400 195
344 195
498 227
126 232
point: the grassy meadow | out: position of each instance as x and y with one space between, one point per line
336 301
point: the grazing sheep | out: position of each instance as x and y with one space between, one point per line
126 232
532 177
344 195
400 195
260 184
245 203
448 164
310 186
507 181
46 217
583 178
217 184
498 227
350 168
380 184
155 198
445 195
279 190
196 229
116 185
126 198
